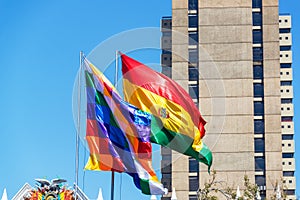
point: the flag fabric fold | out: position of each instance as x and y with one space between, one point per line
117 133
176 122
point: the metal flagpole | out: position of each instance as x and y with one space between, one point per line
113 173
78 126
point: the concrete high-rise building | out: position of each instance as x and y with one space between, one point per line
234 57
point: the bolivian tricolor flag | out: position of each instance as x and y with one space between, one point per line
176 122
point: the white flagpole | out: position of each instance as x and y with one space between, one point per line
78 126
113 173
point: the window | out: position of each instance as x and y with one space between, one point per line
256 3
288 173
193 183
193 21
257 54
260 180
258 108
193 38
193 74
194 91
259 145
287 155
287 119
193 4
193 55
259 164
287 137
166 52
285 48
192 197
257 37
258 90
285 65
167 157
257 19
289 192
167 34
284 30
286 101
257 72
286 83
259 126
193 165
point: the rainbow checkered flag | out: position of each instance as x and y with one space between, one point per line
118 134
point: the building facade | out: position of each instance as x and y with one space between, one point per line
234 57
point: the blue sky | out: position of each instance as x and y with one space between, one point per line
40 43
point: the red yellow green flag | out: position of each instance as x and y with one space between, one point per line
177 122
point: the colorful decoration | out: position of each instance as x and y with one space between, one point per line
50 190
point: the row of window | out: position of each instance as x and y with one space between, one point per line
258 74
258 91
193 91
